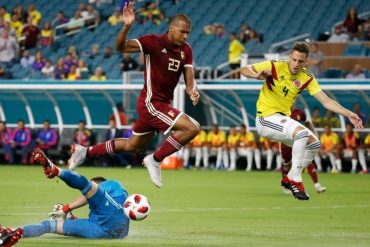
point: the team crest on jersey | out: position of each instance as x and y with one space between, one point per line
182 55
171 113
297 83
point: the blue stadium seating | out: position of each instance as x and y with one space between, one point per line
355 50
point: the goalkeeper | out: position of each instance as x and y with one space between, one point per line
104 197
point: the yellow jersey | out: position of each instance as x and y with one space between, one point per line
247 140
216 140
199 139
235 50
36 17
279 92
18 27
95 78
329 141
232 140
367 141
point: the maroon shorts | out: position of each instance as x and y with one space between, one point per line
155 116
286 153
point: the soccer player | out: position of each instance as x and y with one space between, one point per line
286 153
105 199
248 147
167 56
231 148
20 139
269 149
216 140
329 148
283 82
198 146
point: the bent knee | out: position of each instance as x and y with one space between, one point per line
194 129
314 145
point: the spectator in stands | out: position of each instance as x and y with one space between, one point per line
35 14
248 147
353 23
236 49
31 33
59 70
128 63
353 149
330 143
93 14
21 139
216 29
116 18
220 31
216 140
99 75
48 70
39 62
73 75
76 23
142 14
4 15
338 36
46 35
82 135
68 62
17 25
95 51
9 49
356 73
83 10
5 137
60 19
121 114
154 14
330 120
74 54
316 117
108 52
47 138
315 60
82 70
22 15
244 33
11 31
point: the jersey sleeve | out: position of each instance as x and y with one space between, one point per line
314 87
266 65
188 56
146 43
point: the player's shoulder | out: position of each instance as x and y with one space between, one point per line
307 73
149 36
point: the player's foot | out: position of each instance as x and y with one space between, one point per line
364 172
285 182
319 188
286 191
154 169
8 237
298 190
78 156
50 170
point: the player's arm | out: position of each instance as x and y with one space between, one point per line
60 211
191 84
334 106
251 72
122 44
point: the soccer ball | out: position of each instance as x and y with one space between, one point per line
136 207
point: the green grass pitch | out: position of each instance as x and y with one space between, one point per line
204 208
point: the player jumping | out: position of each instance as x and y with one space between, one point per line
167 56
286 153
283 82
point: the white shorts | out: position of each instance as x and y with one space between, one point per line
278 128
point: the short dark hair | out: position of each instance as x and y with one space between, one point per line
301 47
180 17
99 179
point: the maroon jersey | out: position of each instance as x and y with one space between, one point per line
163 66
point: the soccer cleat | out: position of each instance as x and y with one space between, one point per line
49 167
298 190
78 156
154 170
364 172
319 188
286 191
285 182
8 237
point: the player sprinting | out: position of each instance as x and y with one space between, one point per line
167 56
286 154
283 81
105 199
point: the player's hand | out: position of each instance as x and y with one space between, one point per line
194 96
355 120
263 75
57 212
128 14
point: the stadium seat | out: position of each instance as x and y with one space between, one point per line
333 73
355 50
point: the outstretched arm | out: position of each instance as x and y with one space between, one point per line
122 44
250 72
334 106
191 85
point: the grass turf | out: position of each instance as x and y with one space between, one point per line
204 208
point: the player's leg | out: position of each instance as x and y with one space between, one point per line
9 152
249 156
205 154
318 162
269 158
286 156
354 160
36 230
257 157
198 156
311 169
362 160
233 156
186 155
219 157
225 157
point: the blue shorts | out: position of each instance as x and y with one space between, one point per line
106 219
